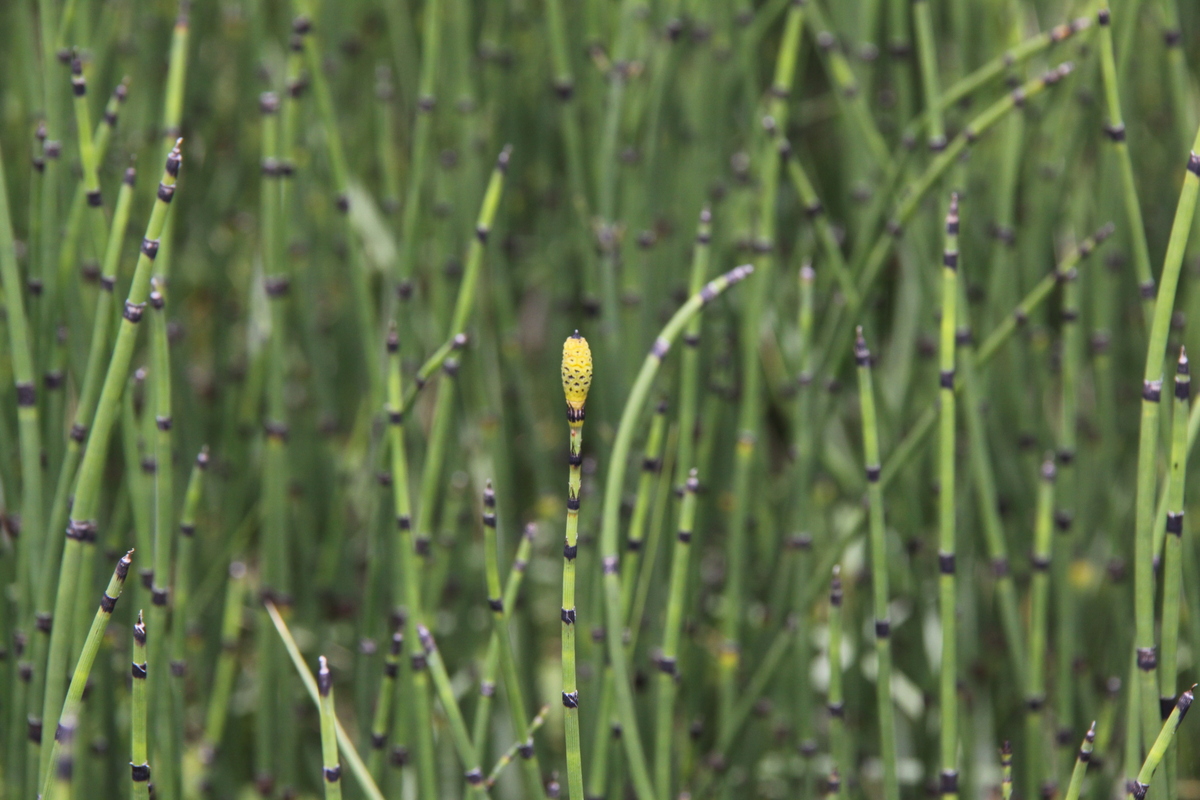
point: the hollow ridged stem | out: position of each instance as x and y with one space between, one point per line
947 547
275 575
1148 432
183 566
431 472
610 515
689 369
64 767
81 530
1166 734
166 744
382 718
20 344
345 743
668 658
915 191
802 542
88 158
1000 336
487 679
83 668
139 762
846 85
1006 781
748 423
226 669
508 662
1081 764
458 727
331 769
930 83
814 209
419 155
1172 570
577 380
511 754
1115 129
838 741
407 572
100 142
636 539
172 114
879 571
1064 515
1035 693
984 480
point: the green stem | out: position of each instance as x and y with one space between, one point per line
139 762
331 769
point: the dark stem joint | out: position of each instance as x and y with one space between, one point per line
139 773
1039 562
946 379
26 394
333 774
1116 132
1175 522
570 699
1193 164
1152 391
946 563
107 604
570 551
138 670
568 616
1147 659
837 710
883 628
684 537
949 782
873 473
496 604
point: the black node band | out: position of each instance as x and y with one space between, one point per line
1175 522
1039 562
946 379
883 628
684 537
333 774
873 472
574 460
568 616
570 699
949 782
570 551
950 259
139 773
837 710
26 394
107 604
572 504
1193 164
1152 391
93 198
946 563
138 670
1147 659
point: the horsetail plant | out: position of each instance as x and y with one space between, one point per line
1036 768
139 763
1166 735
947 546
1172 562
576 381
82 526
879 571
74 695
458 728
1081 764
226 669
668 657
837 707
610 512
1147 662
508 662
331 768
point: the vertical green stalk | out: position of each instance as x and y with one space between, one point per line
1081 764
651 467
508 662
1172 574
1115 130
74 697
472 772
947 548
668 659
65 766
88 157
408 574
226 669
577 380
139 762
165 725
383 706
930 83
81 530
1147 463
879 571
1035 695
487 679
183 568
332 770
419 158
20 344
838 741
